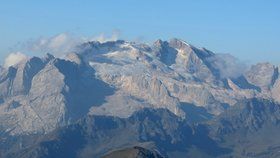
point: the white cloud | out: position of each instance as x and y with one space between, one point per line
103 38
14 58
228 65
58 41
57 45
63 43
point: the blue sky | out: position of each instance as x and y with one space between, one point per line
247 29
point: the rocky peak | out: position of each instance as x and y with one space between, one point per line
165 53
158 43
117 79
135 152
179 44
262 75
48 57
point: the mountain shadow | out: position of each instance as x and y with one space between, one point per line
83 90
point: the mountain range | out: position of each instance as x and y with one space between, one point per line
166 99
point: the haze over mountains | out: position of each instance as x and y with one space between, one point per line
169 98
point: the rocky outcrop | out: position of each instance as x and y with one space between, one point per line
135 152
263 75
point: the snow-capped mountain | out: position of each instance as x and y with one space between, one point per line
169 97
118 78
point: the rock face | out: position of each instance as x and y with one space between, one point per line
118 78
276 90
135 152
40 95
263 75
184 58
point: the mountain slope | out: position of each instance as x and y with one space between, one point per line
119 78
250 128
47 96
94 136
168 97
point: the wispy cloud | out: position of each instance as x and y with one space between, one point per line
14 58
104 38
57 45
228 65
63 43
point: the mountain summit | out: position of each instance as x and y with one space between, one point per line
109 86
117 78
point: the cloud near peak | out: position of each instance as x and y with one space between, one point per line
228 65
57 45
64 43
14 59
104 38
